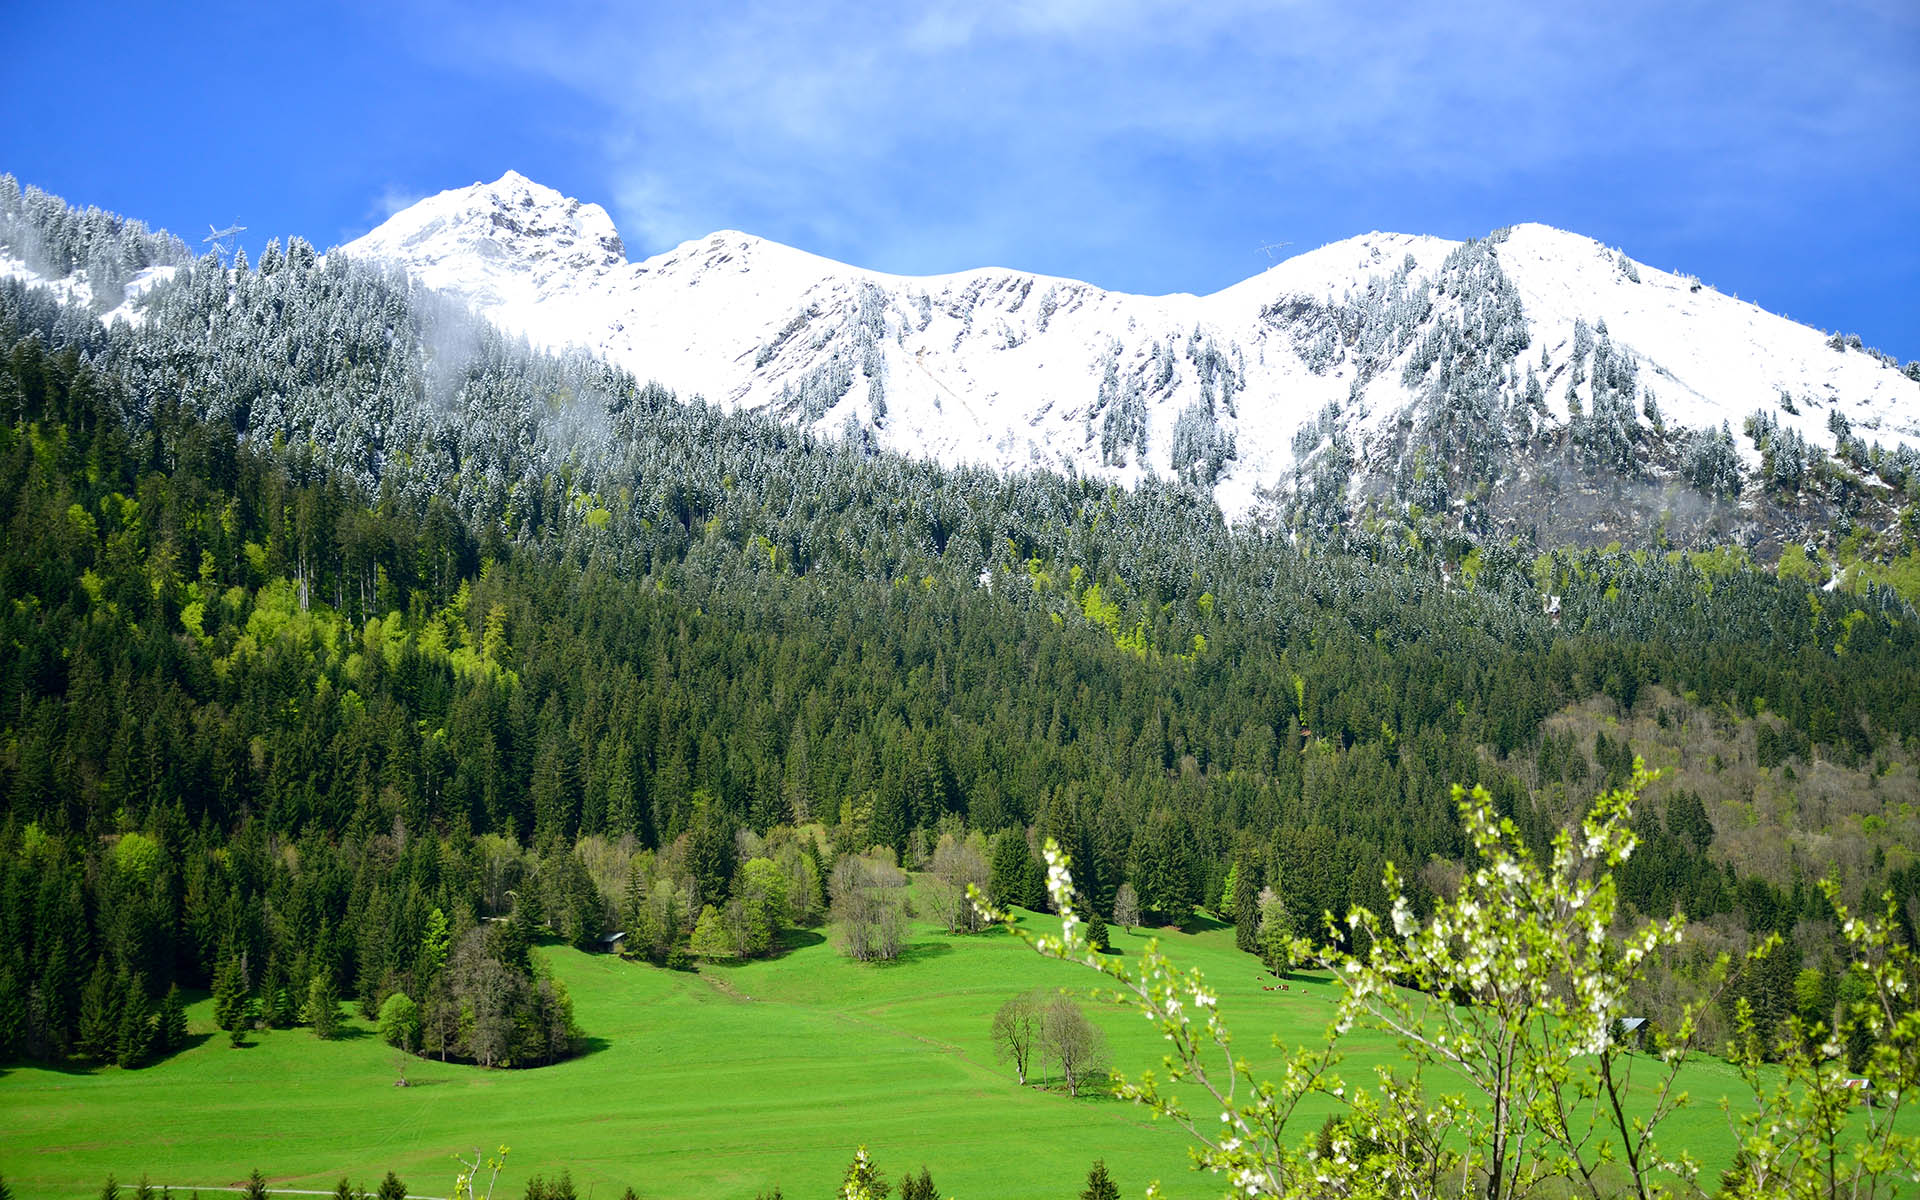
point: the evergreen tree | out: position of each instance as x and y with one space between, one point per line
1008 879
1100 1185
391 1188
13 1014
230 999
1245 913
863 1180
170 1033
135 1040
323 1006
1097 931
100 1015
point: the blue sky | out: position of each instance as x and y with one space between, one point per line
1770 148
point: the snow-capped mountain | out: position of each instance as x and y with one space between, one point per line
1386 363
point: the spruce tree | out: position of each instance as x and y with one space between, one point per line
1007 880
13 1015
1097 931
323 1006
171 1033
134 1040
1100 1185
391 1188
99 1015
863 1180
230 999
1245 881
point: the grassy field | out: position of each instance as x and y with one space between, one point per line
716 1084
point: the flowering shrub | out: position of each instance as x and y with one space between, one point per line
1507 1004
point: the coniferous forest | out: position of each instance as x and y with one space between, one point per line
350 647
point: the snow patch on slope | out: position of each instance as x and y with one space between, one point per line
74 289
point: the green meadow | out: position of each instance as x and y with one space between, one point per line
719 1083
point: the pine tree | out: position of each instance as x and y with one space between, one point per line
100 1016
134 1041
1100 1185
13 1015
391 1188
171 1033
323 1006
1007 880
863 1180
1097 938
230 999
256 1186
1246 905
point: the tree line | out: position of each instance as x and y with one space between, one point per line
308 693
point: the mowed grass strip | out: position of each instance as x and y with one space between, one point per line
717 1084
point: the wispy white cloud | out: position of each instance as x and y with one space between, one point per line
1001 129
392 199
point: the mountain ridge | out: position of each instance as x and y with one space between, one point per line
1229 390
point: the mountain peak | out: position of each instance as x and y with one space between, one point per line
491 240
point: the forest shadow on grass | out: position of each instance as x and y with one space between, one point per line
590 1045
1200 922
790 940
915 952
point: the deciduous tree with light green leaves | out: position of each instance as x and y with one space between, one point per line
400 1022
710 938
